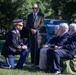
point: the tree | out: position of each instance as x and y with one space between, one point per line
58 9
69 10
8 12
43 7
56 4
64 9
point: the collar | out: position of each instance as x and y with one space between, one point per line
17 30
35 13
64 33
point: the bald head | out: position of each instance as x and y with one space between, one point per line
35 7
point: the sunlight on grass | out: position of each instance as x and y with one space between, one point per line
27 70
20 72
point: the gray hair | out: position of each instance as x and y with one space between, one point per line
57 27
65 26
73 26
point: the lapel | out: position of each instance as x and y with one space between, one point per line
32 15
17 35
36 21
32 18
37 17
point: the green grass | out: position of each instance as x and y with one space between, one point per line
26 71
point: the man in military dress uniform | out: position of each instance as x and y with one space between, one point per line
13 46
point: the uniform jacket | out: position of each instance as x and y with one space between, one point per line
11 44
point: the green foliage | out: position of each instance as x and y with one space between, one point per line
70 11
58 9
8 12
27 8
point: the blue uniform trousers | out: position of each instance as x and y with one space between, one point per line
23 55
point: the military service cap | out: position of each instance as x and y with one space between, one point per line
18 20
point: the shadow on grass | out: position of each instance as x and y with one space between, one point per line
27 65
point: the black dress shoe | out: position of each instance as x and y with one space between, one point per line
37 68
47 70
17 67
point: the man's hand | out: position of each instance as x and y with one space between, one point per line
33 31
57 47
24 47
45 46
25 39
19 47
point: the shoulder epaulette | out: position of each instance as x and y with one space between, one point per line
13 31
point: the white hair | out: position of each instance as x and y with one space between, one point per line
57 27
73 26
65 26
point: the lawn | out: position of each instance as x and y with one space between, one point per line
27 69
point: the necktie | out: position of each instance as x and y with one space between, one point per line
34 15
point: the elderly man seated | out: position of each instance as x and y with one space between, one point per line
67 50
59 40
45 47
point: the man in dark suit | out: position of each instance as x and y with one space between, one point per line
67 50
35 22
13 46
45 47
24 35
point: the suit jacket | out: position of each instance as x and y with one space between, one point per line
70 44
11 44
54 39
61 40
24 33
36 23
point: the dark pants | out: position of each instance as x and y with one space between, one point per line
23 55
53 58
34 48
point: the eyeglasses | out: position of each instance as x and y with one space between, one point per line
34 8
